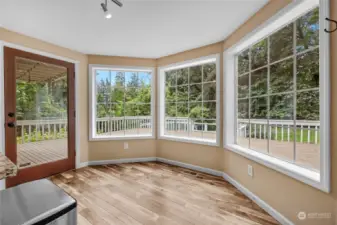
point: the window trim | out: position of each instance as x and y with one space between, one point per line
161 99
92 101
286 15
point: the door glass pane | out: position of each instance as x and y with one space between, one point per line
41 112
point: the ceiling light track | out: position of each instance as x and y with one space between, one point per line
105 7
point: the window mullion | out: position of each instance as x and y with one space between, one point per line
249 94
295 87
268 96
202 102
188 103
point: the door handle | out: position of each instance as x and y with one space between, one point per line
11 124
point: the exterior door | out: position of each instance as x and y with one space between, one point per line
39 115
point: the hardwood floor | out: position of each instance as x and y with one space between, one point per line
157 193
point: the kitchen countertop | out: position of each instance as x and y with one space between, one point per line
7 167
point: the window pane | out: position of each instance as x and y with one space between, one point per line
132 95
259 54
144 119
195 110
307 146
243 109
182 76
258 108
182 121
196 92
171 109
259 82
103 81
243 133
144 109
117 79
131 113
307 30
117 110
258 141
243 86
281 107
209 91
209 110
307 133
117 95
209 72
307 105
281 140
281 43
243 62
171 94
182 109
117 121
132 79
182 93
131 109
145 79
196 128
308 70
171 78
144 94
102 110
209 129
281 76
195 74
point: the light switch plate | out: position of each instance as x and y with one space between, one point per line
126 145
250 170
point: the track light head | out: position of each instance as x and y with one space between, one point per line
106 11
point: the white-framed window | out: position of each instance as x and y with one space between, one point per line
121 102
189 97
280 75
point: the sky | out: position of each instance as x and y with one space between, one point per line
111 75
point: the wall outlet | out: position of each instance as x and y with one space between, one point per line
250 170
126 145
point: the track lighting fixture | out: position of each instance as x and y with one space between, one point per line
105 7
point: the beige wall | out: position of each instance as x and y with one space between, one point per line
106 150
28 42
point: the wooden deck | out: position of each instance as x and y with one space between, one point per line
36 153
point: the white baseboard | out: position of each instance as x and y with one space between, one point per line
190 166
271 211
118 161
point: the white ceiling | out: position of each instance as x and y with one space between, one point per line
141 28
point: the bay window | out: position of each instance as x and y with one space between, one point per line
281 95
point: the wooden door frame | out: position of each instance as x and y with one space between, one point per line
3 44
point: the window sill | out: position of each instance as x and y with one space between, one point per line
307 176
189 140
120 138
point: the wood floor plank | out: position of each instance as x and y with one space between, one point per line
157 193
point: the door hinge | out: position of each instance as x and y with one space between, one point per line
75 113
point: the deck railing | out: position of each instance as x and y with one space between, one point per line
304 131
282 130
